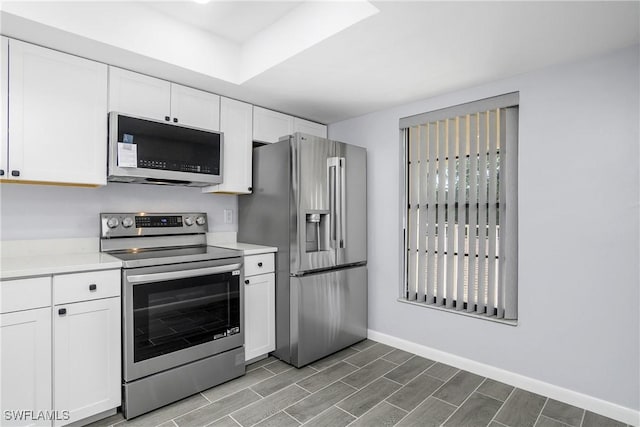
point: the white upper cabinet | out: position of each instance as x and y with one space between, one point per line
311 128
139 95
57 117
236 125
269 126
4 99
194 107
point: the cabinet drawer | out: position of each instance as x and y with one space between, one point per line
258 264
68 288
25 294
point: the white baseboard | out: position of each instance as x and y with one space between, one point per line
593 404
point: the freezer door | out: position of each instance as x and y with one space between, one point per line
350 204
328 313
312 184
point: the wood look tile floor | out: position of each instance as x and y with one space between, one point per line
368 384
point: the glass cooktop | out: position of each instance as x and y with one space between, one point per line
172 255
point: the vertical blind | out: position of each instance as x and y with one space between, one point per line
460 232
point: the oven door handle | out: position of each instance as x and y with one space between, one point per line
181 274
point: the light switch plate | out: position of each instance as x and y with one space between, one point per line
228 216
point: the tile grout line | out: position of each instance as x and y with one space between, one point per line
464 401
258 401
501 406
584 414
546 400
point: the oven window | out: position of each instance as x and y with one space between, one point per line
177 314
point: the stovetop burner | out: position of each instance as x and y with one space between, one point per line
171 255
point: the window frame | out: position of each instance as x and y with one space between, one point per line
509 102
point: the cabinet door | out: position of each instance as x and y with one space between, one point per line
87 375
25 370
194 107
311 128
259 315
269 126
139 95
236 124
4 100
58 116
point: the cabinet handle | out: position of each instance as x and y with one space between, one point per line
175 120
259 264
246 282
93 287
1 172
167 118
250 188
15 173
62 311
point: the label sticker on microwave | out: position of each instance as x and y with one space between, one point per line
127 138
127 155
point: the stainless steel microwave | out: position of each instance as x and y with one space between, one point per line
148 151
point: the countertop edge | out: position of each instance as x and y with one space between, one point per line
34 266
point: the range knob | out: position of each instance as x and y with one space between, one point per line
188 221
112 222
127 222
200 220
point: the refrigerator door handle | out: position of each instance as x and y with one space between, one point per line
332 165
342 203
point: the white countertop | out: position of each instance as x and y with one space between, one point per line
247 248
43 265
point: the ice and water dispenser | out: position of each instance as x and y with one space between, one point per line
317 231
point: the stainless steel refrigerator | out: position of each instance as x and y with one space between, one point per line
309 200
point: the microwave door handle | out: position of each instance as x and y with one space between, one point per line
181 274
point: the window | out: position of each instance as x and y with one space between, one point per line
460 220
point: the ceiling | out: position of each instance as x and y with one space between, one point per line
302 58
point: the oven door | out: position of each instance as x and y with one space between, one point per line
176 314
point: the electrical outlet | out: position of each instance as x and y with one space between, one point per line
228 216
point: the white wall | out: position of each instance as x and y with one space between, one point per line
53 212
578 231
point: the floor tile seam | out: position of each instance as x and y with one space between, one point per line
493 397
282 388
415 376
355 390
546 400
420 404
558 421
258 401
502 406
332 382
584 414
371 382
422 401
497 422
440 379
276 373
188 412
285 411
374 407
234 420
326 410
465 401
209 400
204 406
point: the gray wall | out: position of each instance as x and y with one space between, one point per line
578 231
50 212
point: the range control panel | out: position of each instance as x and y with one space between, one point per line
140 224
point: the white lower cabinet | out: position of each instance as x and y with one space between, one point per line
25 371
259 305
86 358
59 363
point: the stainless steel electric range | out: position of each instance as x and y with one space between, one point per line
182 307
